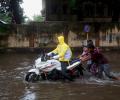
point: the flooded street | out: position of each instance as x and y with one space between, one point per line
13 87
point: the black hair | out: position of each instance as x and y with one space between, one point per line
90 42
90 46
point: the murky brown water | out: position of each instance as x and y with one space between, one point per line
13 86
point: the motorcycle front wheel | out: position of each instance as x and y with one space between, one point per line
31 77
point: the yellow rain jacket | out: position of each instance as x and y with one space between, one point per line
63 50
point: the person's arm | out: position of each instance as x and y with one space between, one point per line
55 50
61 53
85 57
54 53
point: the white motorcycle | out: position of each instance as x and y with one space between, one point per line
50 69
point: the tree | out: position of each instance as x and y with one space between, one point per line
11 11
38 18
16 11
4 11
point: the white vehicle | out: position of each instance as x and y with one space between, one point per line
45 69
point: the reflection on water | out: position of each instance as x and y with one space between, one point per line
13 87
29 95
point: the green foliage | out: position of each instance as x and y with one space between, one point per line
4 29
5 17
4 11
10 11
72 3
38 18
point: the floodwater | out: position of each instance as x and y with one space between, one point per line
13 87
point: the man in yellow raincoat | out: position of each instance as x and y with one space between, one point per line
64 55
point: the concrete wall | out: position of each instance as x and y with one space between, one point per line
25 37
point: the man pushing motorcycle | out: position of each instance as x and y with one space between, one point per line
63 54
98 58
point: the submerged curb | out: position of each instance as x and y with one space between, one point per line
47 49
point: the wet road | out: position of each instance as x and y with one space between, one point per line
13 86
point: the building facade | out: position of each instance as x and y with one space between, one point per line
81 10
